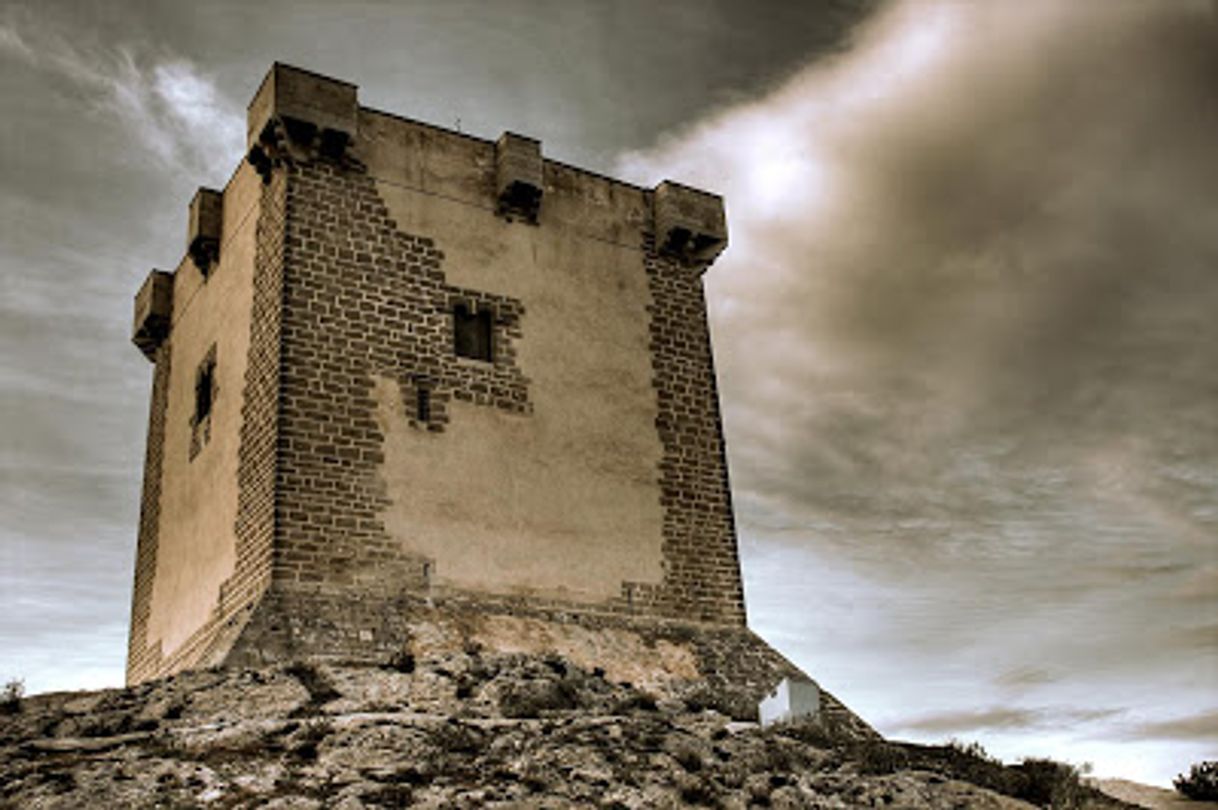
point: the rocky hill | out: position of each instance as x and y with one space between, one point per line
468 730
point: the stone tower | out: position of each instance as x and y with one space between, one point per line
412 387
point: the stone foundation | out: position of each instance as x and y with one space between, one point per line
730 665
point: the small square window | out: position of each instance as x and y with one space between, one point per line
472 333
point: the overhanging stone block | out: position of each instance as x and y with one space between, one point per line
690 224
153 312
308 104
204 230
518 176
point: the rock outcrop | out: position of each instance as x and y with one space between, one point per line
469 730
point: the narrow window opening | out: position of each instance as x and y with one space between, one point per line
205 400
472 333
204 390
422 403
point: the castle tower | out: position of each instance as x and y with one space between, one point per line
415 387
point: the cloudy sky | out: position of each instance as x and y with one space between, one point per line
966 329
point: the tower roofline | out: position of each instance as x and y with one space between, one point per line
315 75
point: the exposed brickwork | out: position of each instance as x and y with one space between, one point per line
363 299
702 576
346 296
346 303
254 527
141 659
255 523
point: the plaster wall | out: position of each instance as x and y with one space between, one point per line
563 501
196 545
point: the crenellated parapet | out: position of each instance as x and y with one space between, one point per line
153 312
519 176
298 115
204 228
690 225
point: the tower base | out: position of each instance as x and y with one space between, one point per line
732 667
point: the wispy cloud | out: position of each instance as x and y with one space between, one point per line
1004 718
103 143
1201 727
172 108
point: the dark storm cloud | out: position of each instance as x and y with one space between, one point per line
967 320
966 337
590 79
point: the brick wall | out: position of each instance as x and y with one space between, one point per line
343 298
362 299
346 303
702 580
142 660
258 452
255 523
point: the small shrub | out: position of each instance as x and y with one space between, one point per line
812 732
687 757
401 661
970 750
699 792
1048 783
879 758
10 696
321 690
635 701
733 703
1201 784
307 739
531 699
556 665
456 737
389 796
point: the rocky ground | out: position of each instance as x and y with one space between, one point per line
472 730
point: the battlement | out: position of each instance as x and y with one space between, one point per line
398 364
297 116
153 312
308 103
297 110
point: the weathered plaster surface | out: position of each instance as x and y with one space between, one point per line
195 551
563 501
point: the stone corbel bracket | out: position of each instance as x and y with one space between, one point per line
518 177
204 230
689 224
297 115
153 313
